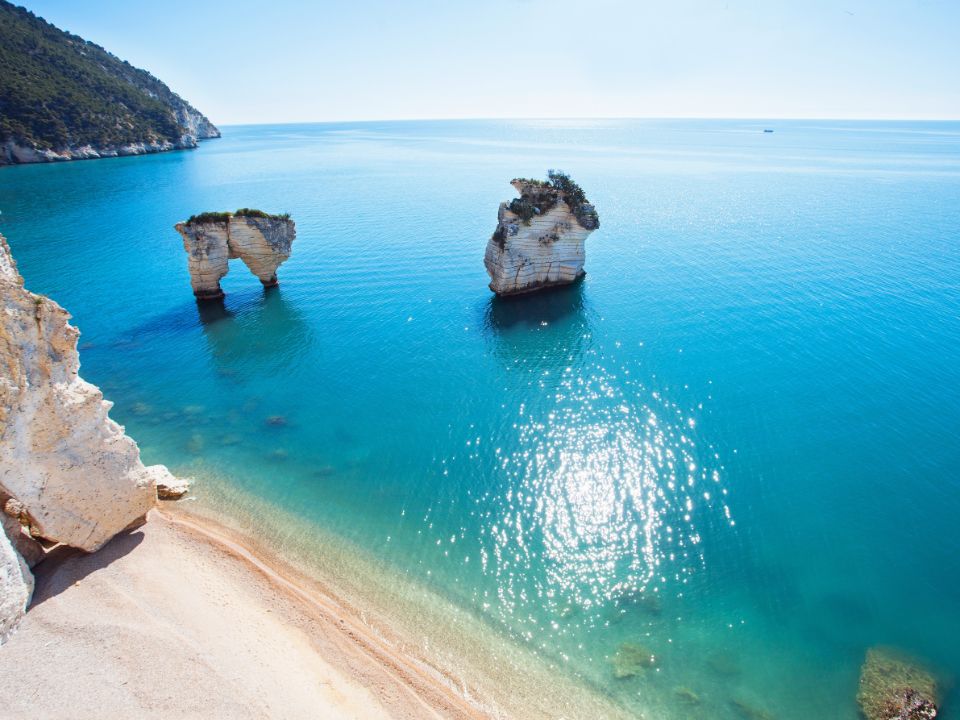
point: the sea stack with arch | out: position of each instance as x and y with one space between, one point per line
539 240
211 239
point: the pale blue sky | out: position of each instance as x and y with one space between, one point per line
251 61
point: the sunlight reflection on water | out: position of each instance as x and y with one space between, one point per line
603 497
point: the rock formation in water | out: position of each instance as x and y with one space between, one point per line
63 98
262 241
539 240
68 473
170 487
893 687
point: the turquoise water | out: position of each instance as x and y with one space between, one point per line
735 443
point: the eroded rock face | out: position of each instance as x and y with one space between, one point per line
208 251
72 474
263 243
29 549
14 153
539 240
16 587
169 487
893 687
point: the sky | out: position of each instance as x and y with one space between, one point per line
276 61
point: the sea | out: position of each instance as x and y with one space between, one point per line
700 483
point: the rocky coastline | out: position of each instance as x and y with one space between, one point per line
13 152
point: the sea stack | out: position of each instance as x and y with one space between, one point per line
539 240
210 239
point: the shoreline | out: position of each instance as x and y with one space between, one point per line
178 618
420 679
411 626
12 153
194 599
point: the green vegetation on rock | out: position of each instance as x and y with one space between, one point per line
208 217
222 217
249 212
540 196
58 91
526 208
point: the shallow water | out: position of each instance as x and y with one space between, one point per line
735 443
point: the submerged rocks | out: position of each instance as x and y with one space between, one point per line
539 240
748 711
631 660
894 687
262 241
686 696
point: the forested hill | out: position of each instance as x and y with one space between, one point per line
62 98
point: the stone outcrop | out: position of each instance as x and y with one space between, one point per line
17 531
170 487
68 473
210 240
894 687
631 660
539 240
72 472
13 152
16 587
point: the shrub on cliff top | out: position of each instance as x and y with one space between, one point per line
572 193
524 208
250 212
539 196
576 198
534 182
222 217
208 217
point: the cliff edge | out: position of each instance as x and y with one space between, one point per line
68 473
539 240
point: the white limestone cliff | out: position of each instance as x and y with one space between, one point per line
68 473
13 152
195 123
262 241
16 587
72 472
15 522
539 240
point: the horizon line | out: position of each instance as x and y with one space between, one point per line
595 118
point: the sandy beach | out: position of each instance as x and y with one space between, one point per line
177 619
